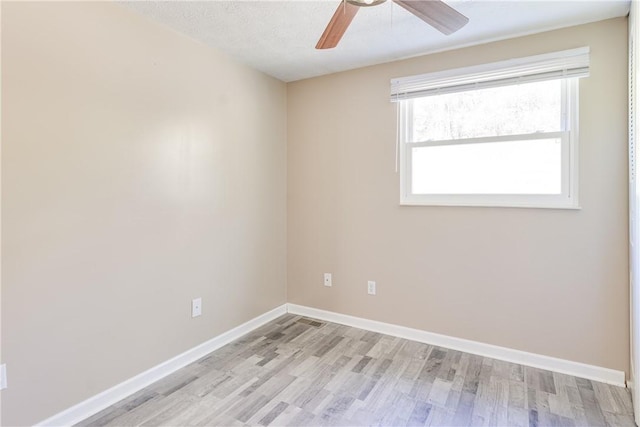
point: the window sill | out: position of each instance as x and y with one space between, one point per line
562 206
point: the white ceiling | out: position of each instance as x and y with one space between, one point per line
278 37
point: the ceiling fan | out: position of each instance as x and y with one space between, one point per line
436 13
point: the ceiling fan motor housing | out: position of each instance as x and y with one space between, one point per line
365 3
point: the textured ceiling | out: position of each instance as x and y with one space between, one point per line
278 37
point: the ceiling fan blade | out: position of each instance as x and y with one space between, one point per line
337 26
436 13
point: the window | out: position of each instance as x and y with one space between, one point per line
502 134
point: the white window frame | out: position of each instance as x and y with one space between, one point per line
567 199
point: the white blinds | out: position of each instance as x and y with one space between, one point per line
550 66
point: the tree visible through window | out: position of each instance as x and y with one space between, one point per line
506 110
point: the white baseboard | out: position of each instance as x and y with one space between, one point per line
100 401
577 369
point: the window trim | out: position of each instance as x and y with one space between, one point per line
568 199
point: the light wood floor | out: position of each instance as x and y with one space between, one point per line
299 372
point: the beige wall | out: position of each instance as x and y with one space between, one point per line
552 282
140 170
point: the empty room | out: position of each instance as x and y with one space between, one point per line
320 212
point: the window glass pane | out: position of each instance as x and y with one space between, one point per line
508 110
512 167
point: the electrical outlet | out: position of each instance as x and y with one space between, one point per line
371 287
3 376
327 279
196 307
